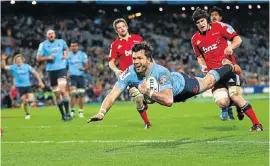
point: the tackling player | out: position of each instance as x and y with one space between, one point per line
55 52
211 47
174 87
77 62
121 51
216 15
21 73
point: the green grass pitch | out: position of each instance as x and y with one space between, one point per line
189 134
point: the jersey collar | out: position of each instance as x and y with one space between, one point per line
129 36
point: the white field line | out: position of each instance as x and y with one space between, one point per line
137 141
47 127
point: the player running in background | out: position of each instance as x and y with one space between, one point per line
21 73
121 51
55 52
211 47
77 63
173 86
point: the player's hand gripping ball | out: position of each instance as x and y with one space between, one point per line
152 84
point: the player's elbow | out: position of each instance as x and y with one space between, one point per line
238 40
168 102
38 59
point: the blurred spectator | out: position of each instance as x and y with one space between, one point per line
169 33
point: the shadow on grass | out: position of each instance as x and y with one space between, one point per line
221 128
168 144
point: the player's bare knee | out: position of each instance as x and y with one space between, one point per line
139 101
221 98
224 102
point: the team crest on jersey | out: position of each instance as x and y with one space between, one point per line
124 75
230 30
119 46
163 79
198 42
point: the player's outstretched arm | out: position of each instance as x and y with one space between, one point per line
106 105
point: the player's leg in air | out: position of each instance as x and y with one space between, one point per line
196 85
141 105
215 75
27 98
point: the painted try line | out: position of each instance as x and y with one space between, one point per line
135 141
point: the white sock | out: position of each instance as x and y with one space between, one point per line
80 110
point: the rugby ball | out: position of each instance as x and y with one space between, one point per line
153 85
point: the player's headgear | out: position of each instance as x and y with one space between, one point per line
144 46
118 21
198 14
49 31
16 56
216 9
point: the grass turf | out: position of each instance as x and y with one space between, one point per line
186 134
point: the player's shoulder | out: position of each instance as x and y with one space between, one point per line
158 68
219 24
60 40
82 52
44 43
136 36
195 37
25 65
115 42
12 66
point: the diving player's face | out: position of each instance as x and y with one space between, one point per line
74 47
215 17
140 62
51 36
19 61
121 29
202 25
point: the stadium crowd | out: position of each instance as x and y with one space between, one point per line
169 33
